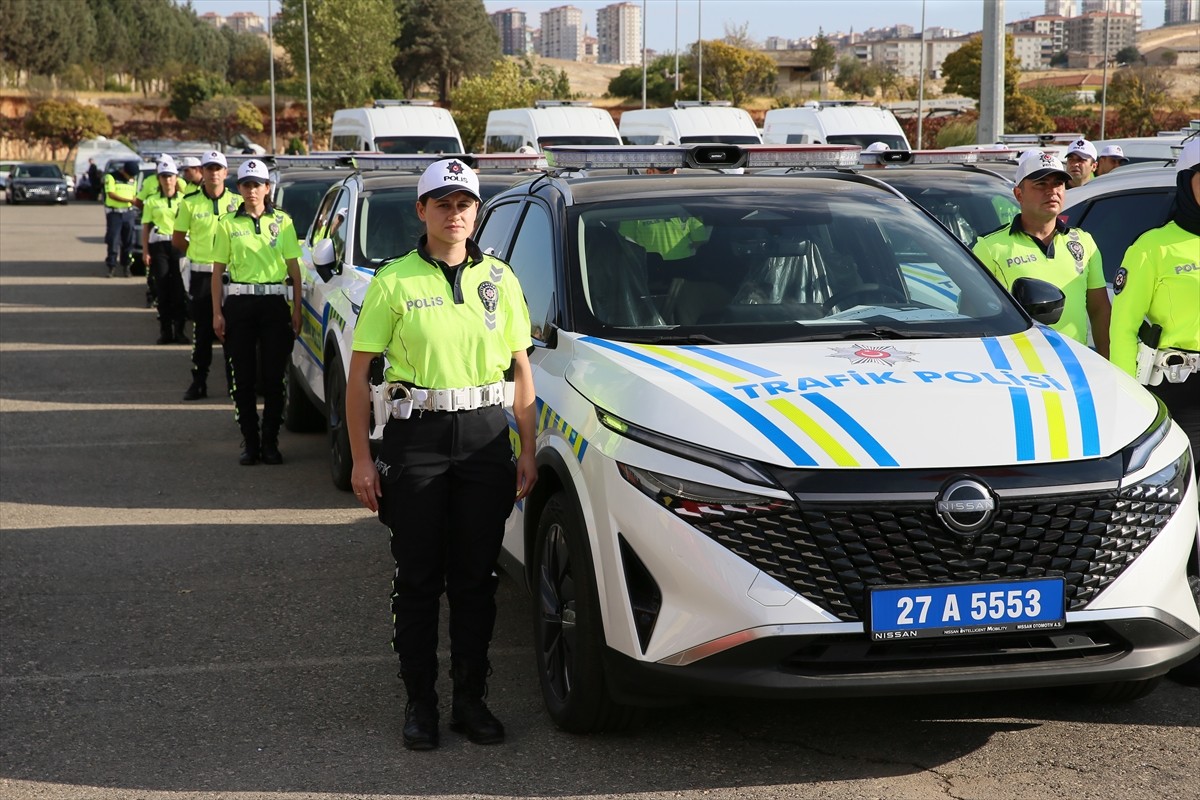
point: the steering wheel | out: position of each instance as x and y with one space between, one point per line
836 302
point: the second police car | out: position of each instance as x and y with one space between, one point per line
774 464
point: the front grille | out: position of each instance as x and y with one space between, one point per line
830 553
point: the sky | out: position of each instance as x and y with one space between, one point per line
788 18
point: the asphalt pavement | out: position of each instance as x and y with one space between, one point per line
173 625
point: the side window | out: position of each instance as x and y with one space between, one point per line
338 222
532 260
319 229
492 236
1117 220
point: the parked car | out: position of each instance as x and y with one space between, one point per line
5 168
365 220
37 183
773 465
1119 207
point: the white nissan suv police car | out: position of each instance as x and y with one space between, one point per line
773 463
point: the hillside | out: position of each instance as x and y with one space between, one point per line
588 80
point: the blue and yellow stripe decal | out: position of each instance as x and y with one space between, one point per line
549 419
715 373
1057 444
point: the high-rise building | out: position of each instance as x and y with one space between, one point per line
510 24
1131 7
1180 12
562 33
619 29
1061 8
1087 42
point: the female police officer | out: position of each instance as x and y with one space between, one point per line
451 320
1159 280
256 269
160 256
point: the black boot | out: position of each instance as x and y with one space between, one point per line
421 711
270 449
469 714
165 334
199 388
250 451
178 334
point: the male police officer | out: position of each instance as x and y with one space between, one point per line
1039 245
1111 157
195 232
119 192
189 169
1081 162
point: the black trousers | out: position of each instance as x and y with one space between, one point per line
168 283
118 238
200 308
1183 402
449 483
254 325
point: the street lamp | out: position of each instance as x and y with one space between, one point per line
307 76
271 61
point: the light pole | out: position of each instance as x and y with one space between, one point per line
921 82
676 44
1104 80
271 61
644 65
699 52
307 76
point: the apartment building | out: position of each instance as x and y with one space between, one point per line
1181 12
510 24
619 34
562 33
1132 8
1086 37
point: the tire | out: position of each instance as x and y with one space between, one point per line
567 628
1189 673
341 463
299 413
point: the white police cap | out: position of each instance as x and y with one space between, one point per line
253 171
214 157
445 177
1036 164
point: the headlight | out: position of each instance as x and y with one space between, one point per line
743 470
1137 454
698 502
1168 485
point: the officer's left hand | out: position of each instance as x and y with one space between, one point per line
526 475
296 320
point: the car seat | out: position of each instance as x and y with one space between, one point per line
617 283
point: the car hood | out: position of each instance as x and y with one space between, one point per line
1028 398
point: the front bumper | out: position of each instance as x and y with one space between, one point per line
1094 647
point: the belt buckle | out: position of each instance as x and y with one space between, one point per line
460 399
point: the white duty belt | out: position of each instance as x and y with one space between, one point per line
200 266
234 289
156 237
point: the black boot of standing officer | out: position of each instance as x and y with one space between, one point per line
469 714
421 710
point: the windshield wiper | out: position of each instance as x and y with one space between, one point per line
689 338
876 332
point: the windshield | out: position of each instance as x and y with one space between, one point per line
37 171
417 144
717 139
968 208
387 226
865 139
776 267
554 141
301 198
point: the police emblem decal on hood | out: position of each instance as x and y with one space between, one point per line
861 354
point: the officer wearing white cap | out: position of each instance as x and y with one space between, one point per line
1159 283
256 271
451 321
160 256
195 233
1037 244
151 189
1111 157
1081 162
190 173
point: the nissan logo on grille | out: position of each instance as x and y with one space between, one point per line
966 507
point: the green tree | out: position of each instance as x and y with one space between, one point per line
1056 100
503 87
963 69
65 123
856 78
42 38
351 44
220 118
823 56
441 42
550 84
1060 59
249 65
660 82
1128 55
732 73
1169 58
193 88
1023 114
1137 93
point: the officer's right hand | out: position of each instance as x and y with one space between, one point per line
365 482
219 325
146 259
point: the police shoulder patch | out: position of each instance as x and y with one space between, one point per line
489 295
1119 280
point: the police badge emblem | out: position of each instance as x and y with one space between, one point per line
1076 251
489 295
1119 280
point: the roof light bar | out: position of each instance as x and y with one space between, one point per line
511 162
885 157
701 156
1039 138
319 159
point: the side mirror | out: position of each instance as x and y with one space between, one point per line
323 254
1042 301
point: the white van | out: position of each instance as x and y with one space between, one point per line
103 150
549 122
690 122
396 126
833 122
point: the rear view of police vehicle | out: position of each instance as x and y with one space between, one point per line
794 441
